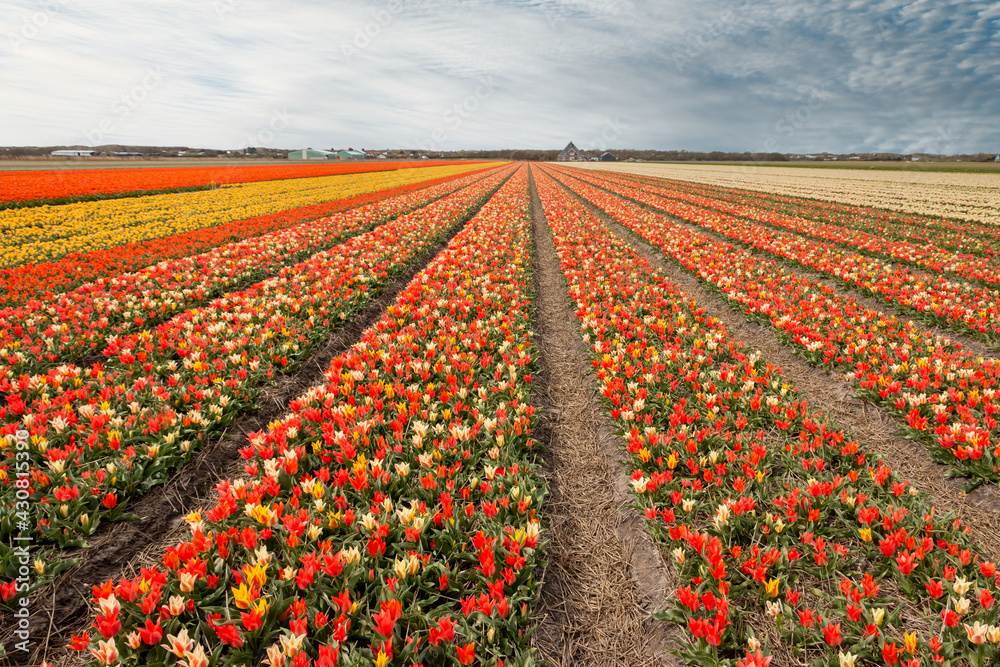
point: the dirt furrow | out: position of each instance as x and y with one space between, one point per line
150 324
977 347
874 304
604 574
833 393
121 548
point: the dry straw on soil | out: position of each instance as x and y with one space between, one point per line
833 394
121 549
980 509
604 575
971 196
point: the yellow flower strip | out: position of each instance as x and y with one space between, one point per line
49 232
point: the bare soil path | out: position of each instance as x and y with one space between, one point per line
834 394
604 575
882 305
120 549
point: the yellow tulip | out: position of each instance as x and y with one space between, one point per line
44 233
243 596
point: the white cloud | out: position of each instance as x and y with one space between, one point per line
718 74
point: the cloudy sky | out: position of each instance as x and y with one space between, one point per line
758 75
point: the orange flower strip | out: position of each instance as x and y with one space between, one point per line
45 233
922 253
32 186
947 396
39 280
766 505
118 428
66 327
960 305
957 197
977 238
390 518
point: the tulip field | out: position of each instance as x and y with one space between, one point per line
938 194
403 507
30 188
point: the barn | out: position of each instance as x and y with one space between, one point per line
609 157
351 154
312 154
570 154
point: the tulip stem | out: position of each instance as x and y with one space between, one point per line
944 615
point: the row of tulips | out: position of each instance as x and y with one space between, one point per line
45 233
47 332
960 306
44 280
32 187
951 196
101 436
770 511
925 255
960 236
389 519
947 396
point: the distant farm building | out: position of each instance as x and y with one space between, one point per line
312 154
570 154
608 157
997 158
74 153
351 154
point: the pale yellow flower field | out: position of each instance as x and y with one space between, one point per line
44 233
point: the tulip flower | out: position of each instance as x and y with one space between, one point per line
467 654
846 659
976 632
106 652
831 634
179 644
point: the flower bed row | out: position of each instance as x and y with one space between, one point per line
770 510
101 437
62 329
960 306
44 280
961 236
389 519
923 255
953 196
947 396
45 233
34 187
